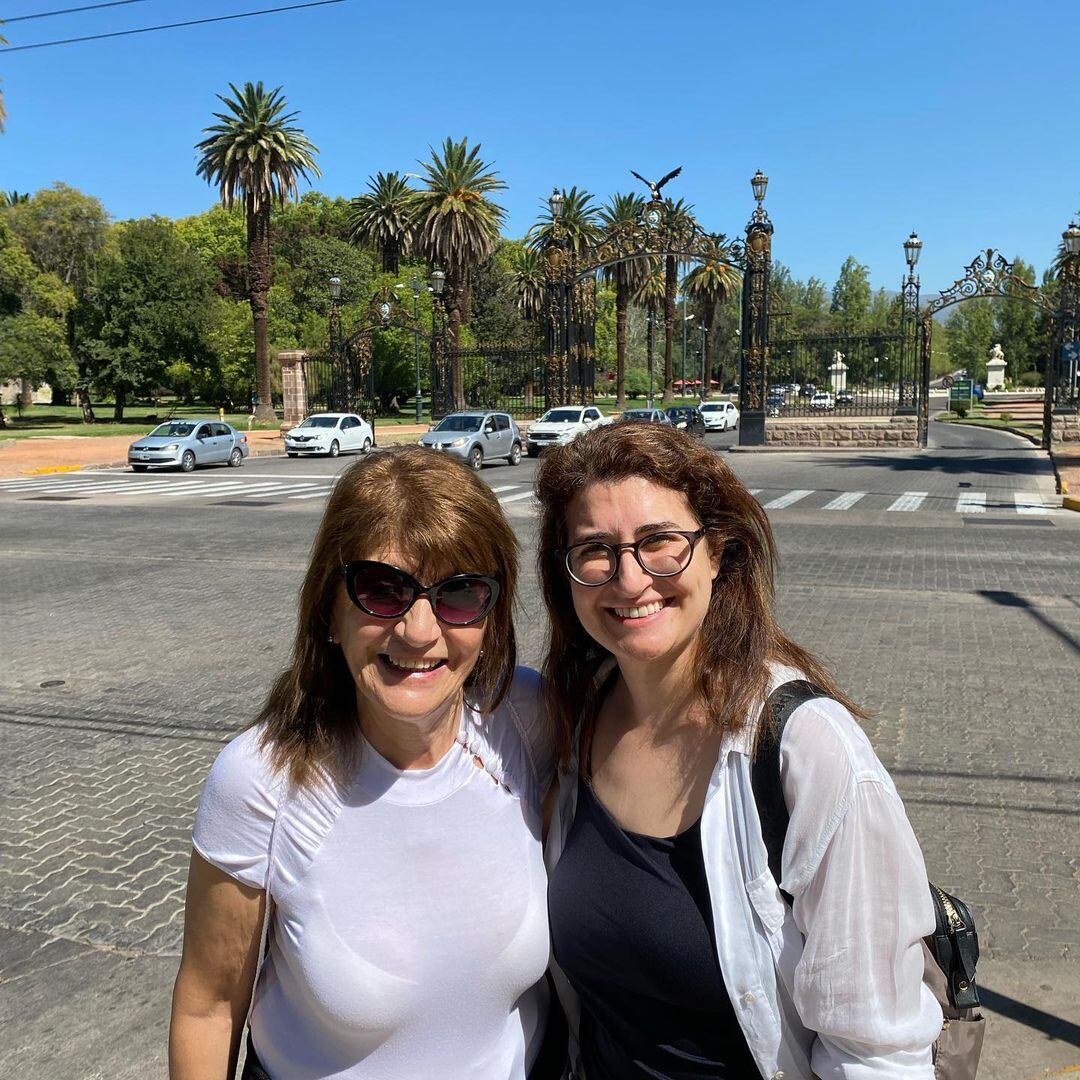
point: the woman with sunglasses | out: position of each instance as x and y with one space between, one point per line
676 954
374 837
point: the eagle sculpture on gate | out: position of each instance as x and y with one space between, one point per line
655 188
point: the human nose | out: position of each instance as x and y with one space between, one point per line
418 626
629 575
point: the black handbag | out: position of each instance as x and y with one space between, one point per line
950 952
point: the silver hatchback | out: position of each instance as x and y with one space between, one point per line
184 444
476 437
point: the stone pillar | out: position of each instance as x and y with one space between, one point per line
838 373
293 386
995 369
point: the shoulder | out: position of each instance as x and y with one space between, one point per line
237 808
519 733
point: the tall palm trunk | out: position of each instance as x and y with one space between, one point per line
671 282
259 281
622 306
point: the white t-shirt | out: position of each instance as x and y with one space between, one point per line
410 932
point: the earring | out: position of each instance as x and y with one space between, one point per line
330 639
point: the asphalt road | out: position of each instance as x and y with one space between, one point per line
141 628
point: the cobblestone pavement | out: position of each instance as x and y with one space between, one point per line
133 647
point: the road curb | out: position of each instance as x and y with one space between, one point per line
1071 502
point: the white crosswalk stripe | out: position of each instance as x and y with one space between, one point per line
516 498
910 500
845 501
1028 502
789 499
971 502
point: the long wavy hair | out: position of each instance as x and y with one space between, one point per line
411 500
739 636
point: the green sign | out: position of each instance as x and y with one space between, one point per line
960 394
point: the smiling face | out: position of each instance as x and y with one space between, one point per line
409 670
640 619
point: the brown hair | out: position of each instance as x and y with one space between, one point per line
739 635
415 501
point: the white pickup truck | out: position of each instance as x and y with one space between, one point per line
559 425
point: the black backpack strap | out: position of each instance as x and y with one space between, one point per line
765 769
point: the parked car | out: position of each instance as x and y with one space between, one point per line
774 403
645 416
719 415
183 444
808 390
329 433
476 437
845 397
823 399
731 388
560 425
687 418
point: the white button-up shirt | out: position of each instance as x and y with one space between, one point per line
831 987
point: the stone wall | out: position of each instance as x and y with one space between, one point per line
1065 428
849 432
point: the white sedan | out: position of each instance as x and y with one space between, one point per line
719 415
329 433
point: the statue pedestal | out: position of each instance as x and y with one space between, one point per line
293 386
838 375
995 373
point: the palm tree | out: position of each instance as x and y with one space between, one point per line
257 155
457 227
712 283
13 198
528 270
576 226
680 226
618 217
383 218
650 295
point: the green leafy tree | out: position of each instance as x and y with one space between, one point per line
457 227
851 297
150 307
616 218
257 156
1018 330
680 225
496 316
383 218
970 329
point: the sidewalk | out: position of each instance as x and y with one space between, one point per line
68 453
1067 463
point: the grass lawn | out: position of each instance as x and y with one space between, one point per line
978 419
139 418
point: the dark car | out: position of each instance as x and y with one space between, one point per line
687 418
845 397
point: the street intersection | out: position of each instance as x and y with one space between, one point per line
144 617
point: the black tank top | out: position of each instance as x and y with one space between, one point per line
632 928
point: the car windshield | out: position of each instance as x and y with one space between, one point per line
459 423
709 408
561 416
172 430
320 421
637 414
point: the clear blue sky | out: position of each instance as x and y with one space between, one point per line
869 118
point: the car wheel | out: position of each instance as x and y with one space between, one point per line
476 457
139 468
366 448
335 448
187 462
515 454
236 458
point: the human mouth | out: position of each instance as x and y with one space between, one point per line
640 611
405 664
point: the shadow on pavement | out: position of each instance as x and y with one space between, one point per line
1011 599
1054 1027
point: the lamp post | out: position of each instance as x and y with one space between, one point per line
1064 390
755 318
341 378
704 329
558 263
910 398
414 281
438 282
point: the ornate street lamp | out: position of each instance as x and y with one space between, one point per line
1071 237
759 182
438 380
555 203
416 286
438 280
340 379
335 289
912 251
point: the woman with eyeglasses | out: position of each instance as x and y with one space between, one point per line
676 954
367 872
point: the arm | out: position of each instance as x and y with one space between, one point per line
222 935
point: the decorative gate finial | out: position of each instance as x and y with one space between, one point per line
655 188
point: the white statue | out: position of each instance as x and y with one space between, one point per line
996 352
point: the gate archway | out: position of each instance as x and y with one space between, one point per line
991 276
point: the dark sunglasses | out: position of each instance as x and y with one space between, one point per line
387 592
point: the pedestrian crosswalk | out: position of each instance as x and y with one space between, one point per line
76 488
